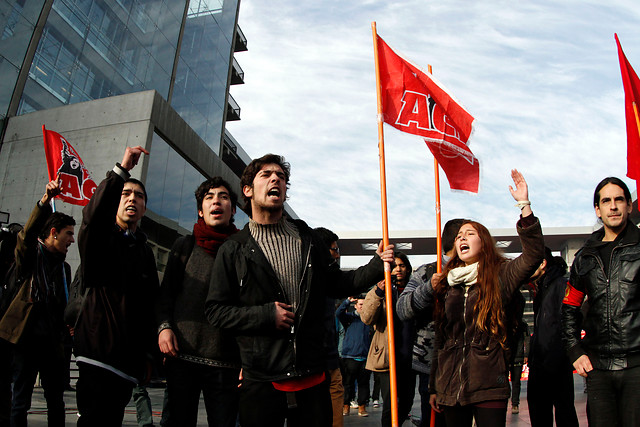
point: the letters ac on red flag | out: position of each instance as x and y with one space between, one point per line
631 85
63 161
413 102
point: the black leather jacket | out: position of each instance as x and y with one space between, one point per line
612 322
242 295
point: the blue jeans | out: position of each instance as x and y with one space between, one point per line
613 396
185 382
144 412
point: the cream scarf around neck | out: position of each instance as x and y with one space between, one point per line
467 275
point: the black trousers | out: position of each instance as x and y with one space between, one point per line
185 381
353 371
516 385
613 397
406 379
547 391
6 353
425 406
261 405
462 416
101 396
29 358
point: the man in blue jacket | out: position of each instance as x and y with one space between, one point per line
355 347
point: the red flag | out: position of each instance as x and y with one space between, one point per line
63 161
459 164
413 102
631 85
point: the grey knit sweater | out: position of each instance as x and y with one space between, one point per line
282 246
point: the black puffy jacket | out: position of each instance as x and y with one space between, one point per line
612 322
242 295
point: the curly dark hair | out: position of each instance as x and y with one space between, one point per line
254 167
215 182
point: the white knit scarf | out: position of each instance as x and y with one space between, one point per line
467 275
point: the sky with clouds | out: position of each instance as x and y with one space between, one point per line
542 80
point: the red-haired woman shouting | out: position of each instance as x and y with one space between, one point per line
469 376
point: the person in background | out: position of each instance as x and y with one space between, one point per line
355 347
550 383
336 388
374 313
38 332
519 347
416 304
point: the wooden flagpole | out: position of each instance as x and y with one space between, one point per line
385 239
635 111
436 170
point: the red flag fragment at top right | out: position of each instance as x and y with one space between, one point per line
631 85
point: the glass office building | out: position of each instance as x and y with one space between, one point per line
91 49
57 53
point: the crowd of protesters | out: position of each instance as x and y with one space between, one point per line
265 326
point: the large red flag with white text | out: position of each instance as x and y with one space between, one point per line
64 162
631 85
414 102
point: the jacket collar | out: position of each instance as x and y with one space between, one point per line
630 236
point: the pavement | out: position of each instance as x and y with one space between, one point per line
38 414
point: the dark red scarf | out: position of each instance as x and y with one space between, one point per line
211 239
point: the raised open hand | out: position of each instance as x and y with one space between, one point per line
521 192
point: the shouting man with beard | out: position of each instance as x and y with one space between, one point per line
269 287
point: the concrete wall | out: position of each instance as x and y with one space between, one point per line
100 131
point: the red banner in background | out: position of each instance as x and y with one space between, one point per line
64 162
631 85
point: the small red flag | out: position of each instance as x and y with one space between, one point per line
413 102
64 162
631 85
459 164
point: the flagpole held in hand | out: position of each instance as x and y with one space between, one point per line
436 170
385 238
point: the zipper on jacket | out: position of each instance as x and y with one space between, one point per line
293 327
464 339
608 288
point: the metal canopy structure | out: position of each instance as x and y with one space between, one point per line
421 242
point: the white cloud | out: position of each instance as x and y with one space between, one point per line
542 80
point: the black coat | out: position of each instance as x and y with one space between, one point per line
244 288
546 350
612 323
116 325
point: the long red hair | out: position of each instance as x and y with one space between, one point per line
489 313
